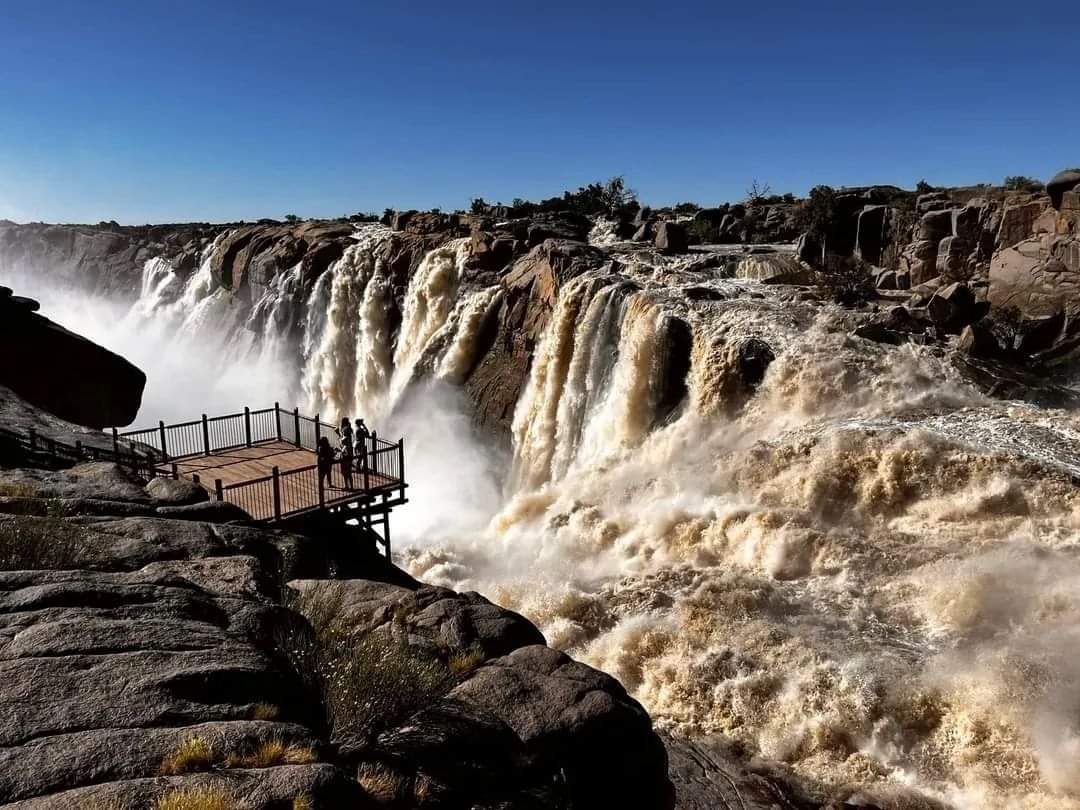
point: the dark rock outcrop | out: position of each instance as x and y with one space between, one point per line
62 372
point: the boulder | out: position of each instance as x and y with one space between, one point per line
1018 221
978 341
643 233
954 306
952 257
576 720
755 357
919 260
176 491
936 225
931 201
670 237
1037 286
64 373
1061 182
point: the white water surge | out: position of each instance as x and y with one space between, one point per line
862 568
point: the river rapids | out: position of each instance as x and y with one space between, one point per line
862 568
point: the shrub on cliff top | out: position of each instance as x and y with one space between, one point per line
202 798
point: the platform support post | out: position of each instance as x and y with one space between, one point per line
247 426
277 494
205 435
164 449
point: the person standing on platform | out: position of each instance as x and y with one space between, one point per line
325 461
362 436
347 463
346 434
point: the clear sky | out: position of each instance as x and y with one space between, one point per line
156 111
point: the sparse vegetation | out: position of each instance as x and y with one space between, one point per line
611 197
201 798
29 543
380 782
191 755
848 280
1020 182
464 662
303 802
265 711
270 753
17 489
365 682
291 218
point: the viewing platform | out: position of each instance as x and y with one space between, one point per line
264 461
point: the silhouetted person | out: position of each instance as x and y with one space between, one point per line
325 460
362 433
346 434
347 463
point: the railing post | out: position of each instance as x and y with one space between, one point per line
175 472
247 425
277 494
318 432
205 435
322 492
364 466
277 419
296 421
401 458
375 451
218 490
164 450
116 443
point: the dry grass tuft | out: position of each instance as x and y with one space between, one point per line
265 711
192 754
380 782
270 753
203 798
17 489
464 662
303 802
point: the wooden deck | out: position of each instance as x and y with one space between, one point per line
246 476
264 462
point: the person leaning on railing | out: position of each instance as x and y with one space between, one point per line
346 456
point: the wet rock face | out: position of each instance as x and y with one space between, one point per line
62 372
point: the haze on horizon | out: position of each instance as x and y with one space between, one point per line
144 113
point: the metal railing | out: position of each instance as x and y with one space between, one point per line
377 469
61 453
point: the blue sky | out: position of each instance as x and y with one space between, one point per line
157 112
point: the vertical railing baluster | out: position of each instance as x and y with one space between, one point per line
277 494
